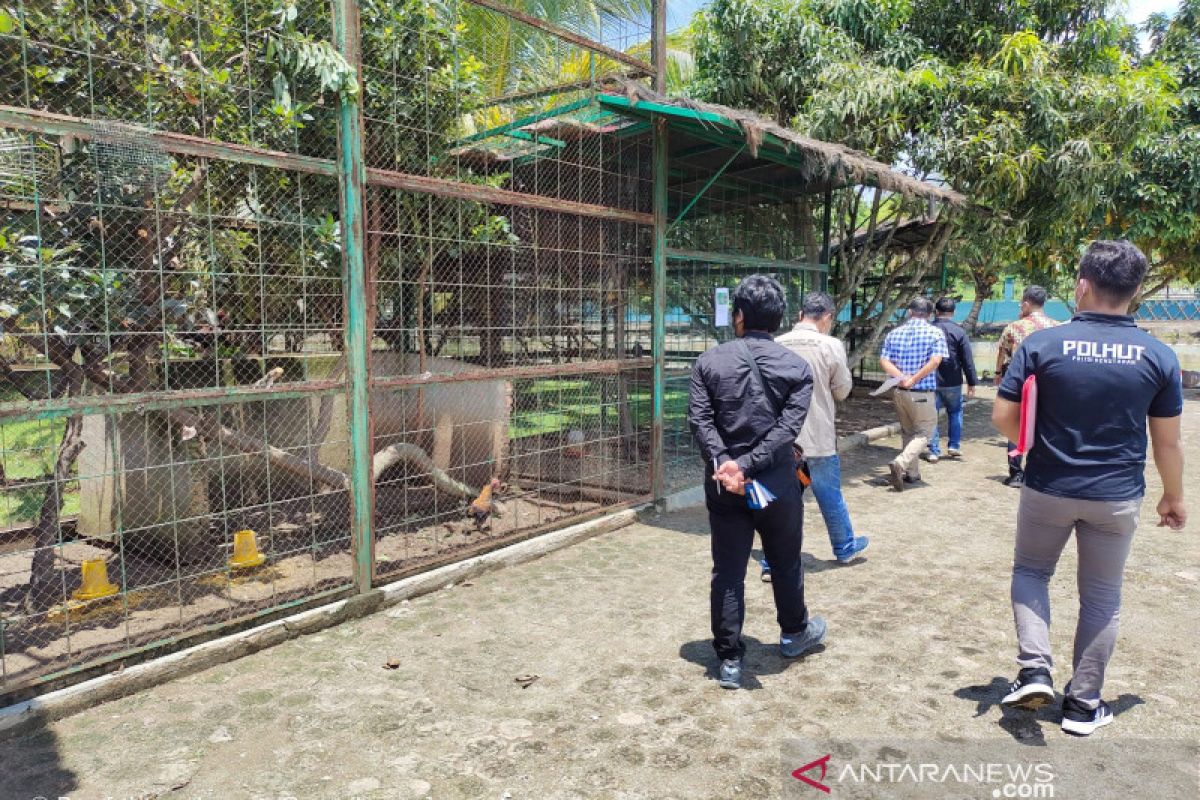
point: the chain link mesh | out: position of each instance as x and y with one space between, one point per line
174 429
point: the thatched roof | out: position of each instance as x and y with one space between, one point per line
823 161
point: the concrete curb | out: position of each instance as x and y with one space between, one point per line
73 699
853 440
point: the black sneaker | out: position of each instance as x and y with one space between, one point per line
1016 479
1083 721
1032 689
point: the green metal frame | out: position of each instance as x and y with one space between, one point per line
352 180
708 185
549 113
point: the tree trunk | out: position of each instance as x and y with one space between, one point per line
1148 291
910 273
981 295
44 590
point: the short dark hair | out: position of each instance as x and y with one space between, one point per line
921 306
945 305
761 301
1035 295
817 305
1114 268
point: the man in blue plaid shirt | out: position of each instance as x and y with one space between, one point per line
911 354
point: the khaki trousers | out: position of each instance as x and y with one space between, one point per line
918 416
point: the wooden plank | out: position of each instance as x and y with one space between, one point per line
504 197
27 119
564 34
678 254
569 369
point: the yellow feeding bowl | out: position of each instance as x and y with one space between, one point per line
95 583
245 551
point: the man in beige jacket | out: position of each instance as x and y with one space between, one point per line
826 356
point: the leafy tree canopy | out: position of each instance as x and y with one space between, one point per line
1043 112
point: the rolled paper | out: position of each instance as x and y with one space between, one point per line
1029 399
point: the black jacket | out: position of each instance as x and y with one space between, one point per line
730 420
950 371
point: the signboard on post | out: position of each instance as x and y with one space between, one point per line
721 307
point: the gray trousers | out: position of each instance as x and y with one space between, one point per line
1103 535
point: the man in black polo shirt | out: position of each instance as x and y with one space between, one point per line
1098 378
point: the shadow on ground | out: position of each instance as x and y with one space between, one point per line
762 659
33 767
1022 725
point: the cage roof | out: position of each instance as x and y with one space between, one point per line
773 154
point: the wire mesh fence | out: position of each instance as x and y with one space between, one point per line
178 429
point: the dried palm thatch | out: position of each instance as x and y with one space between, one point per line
822 162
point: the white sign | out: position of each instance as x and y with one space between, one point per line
721 307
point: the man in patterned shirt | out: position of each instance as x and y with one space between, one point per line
911 354
1033 318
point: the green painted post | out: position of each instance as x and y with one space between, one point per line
352 181
658 334
826 224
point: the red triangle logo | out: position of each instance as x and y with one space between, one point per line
823 763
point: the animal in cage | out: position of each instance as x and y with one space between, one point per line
172 482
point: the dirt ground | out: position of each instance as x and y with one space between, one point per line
624 704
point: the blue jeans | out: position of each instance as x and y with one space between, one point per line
826 473
951 399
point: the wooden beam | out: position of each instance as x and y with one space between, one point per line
564 34
678 254
504 197
27 119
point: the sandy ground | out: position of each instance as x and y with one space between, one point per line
624 704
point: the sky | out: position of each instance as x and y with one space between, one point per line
680 11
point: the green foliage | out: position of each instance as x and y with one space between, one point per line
109 265
1158 205
1041 112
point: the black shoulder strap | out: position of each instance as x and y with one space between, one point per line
748 357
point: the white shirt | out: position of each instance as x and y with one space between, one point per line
831 382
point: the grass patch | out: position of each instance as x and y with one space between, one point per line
28 450
21 505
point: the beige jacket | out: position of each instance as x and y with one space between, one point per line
831 382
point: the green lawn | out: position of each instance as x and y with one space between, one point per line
27 451
553 406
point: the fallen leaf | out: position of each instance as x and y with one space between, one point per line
526 680
392 663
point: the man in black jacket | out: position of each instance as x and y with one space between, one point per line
950 380
748 400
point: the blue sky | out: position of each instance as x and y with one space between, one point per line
680 11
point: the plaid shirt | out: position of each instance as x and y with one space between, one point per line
911 346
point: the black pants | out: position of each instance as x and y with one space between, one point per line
780 526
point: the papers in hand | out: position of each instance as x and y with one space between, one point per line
758 496
886 386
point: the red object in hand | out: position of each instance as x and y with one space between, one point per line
1029 396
